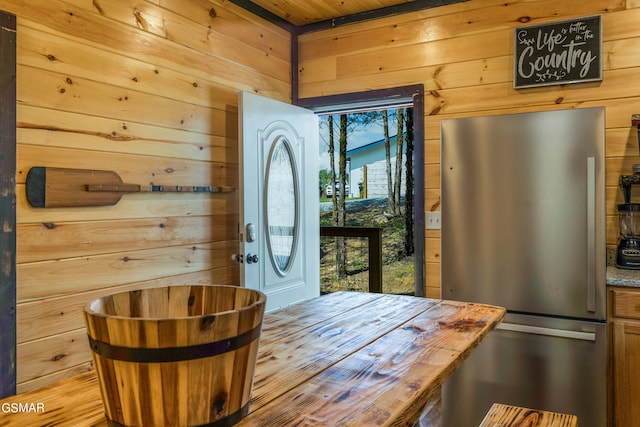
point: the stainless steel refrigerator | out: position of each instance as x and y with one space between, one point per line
523 227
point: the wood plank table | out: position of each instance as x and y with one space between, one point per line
345 358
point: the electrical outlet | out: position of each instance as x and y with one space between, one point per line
433 220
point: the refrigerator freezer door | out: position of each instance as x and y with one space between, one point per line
523 212
554 365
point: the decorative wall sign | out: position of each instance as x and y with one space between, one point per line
558 52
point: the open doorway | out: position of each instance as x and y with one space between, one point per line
365 188
366 181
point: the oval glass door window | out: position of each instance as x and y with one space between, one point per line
281 206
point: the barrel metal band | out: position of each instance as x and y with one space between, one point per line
174 354
228 421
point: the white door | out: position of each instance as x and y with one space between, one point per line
279 207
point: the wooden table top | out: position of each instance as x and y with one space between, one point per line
345 358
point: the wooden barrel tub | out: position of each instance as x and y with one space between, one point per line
177 355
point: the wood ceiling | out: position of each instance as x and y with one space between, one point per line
310 15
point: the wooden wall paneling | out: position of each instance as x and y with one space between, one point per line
221 22
452 50
449 70
432 280
432 150
92 28
7 204
52 51
234 22
130 207
614 192
193 146
612 231
318 71
622 141
622 23
442 23
58 91
432 176
441 42
618 115
432 250
314 85
52 316
50 354
40 242
502 95
67 276
433 120
611 48
427 14
459 74
621 53
55 128
168 25
432 199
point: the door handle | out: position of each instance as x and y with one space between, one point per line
252 259
591 234
251 232
550 332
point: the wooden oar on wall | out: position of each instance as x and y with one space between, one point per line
49 187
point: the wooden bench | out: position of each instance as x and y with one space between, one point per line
510 416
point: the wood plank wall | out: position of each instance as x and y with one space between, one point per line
463 54
148 89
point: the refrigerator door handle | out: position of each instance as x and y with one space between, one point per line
539 330
591 234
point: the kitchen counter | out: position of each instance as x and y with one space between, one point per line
620 276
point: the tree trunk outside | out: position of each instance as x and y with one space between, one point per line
409 244
398 172
387 151
342 212
332 158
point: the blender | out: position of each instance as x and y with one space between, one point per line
628 253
